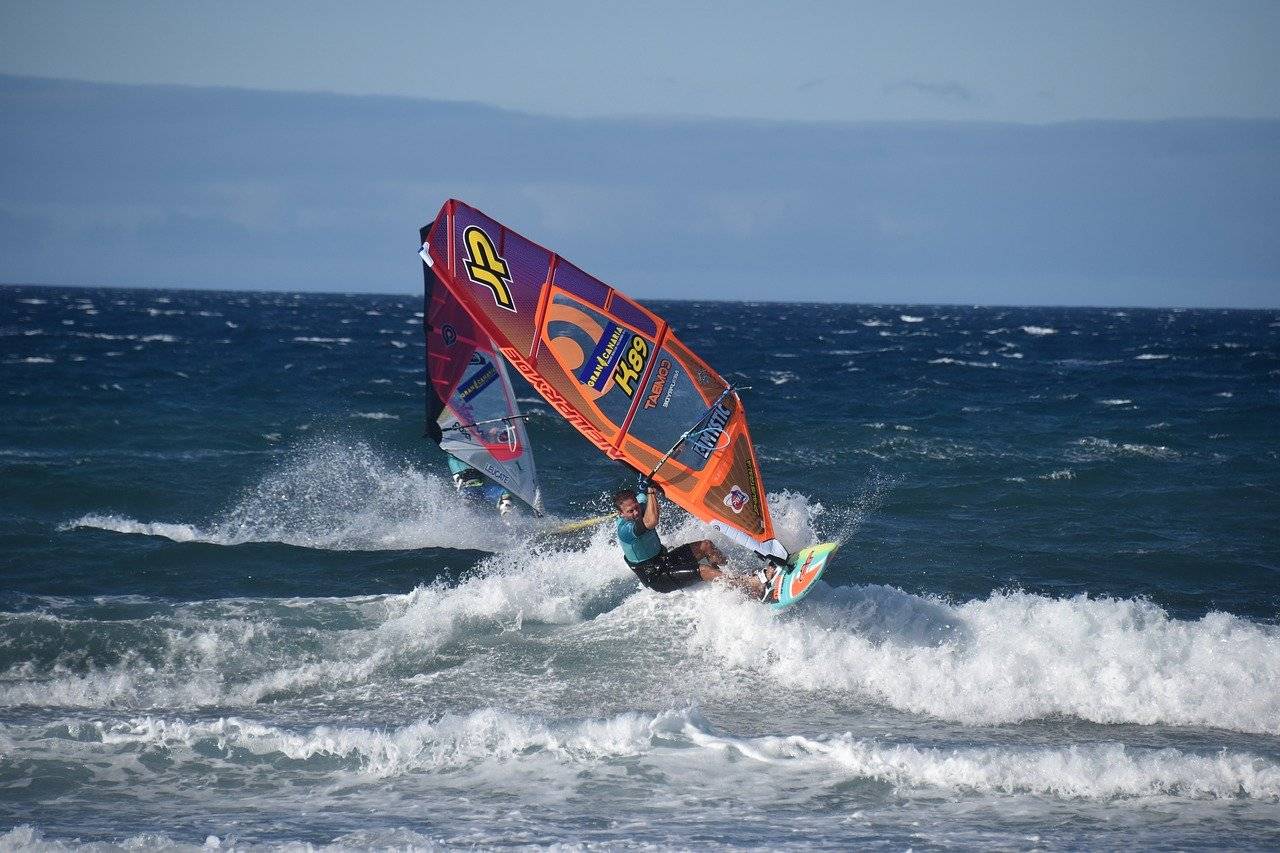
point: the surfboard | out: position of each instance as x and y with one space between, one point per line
802 572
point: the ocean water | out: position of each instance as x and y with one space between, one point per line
241 607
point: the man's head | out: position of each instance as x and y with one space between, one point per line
627 505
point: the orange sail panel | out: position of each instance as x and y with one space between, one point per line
609 366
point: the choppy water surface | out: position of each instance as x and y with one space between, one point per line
241 606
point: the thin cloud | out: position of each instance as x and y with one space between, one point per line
943 90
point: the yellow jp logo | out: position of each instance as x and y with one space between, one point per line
487 268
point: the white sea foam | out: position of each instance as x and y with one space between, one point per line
681 739
240 653
339 496
1039 330
146 339
1008 657
1013 656
315 340
907 318
1151 356
1091 449
947 360
376 416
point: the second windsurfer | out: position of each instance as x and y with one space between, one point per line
473 485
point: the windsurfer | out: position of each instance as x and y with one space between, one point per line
473 485
668 570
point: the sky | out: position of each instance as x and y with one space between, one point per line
1014 60
983 152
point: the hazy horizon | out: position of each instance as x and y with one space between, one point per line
411 295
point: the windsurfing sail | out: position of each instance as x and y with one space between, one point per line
611 367
472 411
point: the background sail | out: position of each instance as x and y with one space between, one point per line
609 366
468 384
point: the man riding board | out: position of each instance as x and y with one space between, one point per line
665 570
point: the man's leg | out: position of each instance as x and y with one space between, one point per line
706 551
709 561
743 583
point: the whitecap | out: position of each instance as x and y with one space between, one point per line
457 741
947 360
1093 449
1013 656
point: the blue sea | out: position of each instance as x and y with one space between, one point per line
242 607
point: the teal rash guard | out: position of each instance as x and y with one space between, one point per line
639 548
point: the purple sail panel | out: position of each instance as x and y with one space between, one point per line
501 273
629 312
588 289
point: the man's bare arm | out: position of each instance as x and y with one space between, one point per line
650 519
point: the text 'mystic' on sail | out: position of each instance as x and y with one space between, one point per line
609 366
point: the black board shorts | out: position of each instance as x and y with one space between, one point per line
670 570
